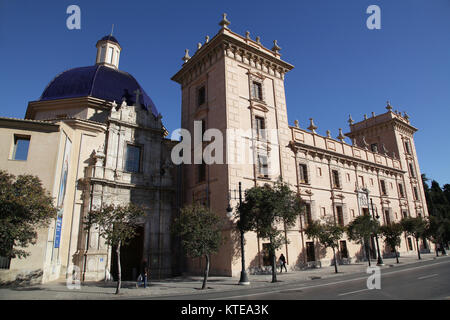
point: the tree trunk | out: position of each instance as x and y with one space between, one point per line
396 254
119 271
205 277
335 261
443 249
418 249
436 249
274 267
366 249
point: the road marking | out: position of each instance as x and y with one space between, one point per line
326 284
346 293
425 277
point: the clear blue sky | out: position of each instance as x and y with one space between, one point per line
341 67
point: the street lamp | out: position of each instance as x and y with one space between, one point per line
380 260
244 277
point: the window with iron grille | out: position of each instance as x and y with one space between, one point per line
260 127
383 188
340 215
308 216
411 170
257 90
303 173
263 169
400 190
416 193
336 182
407 147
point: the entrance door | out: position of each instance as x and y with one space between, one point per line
310 254
343 249
130 257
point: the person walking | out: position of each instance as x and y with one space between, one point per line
282 263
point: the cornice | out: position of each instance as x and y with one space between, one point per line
227 40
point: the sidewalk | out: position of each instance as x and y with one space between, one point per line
188 285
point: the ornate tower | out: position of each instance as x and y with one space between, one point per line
236 85
391 133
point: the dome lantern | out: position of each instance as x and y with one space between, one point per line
108 52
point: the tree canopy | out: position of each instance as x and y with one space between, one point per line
24 207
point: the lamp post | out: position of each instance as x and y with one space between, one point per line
380 260
244 277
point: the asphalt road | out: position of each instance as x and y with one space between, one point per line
425 280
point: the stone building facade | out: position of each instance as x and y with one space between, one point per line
95 138
234 84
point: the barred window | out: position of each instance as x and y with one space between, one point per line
263 168
257 90
383 188
303 173
336 182
133 158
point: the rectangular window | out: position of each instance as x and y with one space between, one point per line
257 90
416 194
336 182
324 212
303 173
383 188
133 158
352 212
201 96
340 215
348 177
110 55
308 216
361 181
388 218
405 213
263 168
411 170
407 147
319 172
410 244
21 146
201 172
400 190
260 127
365 211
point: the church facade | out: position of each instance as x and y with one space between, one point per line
95 137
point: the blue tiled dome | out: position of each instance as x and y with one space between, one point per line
97 81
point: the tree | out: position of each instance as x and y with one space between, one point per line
328 234
117 225
437 230
392 236
414 227
200 233
361 229
24 206
265 208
